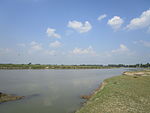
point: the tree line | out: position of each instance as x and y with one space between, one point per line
62 66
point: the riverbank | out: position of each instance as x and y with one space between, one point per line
7 97
41 66
128 93
38 66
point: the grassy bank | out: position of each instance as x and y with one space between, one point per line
121 94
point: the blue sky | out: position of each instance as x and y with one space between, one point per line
75 31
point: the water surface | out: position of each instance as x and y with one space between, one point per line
50 91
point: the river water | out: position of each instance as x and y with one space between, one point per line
50 91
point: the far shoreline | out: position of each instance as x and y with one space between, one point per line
83 66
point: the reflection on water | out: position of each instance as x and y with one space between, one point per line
50 91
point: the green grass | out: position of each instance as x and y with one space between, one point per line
121 94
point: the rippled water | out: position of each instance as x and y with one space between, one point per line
50 91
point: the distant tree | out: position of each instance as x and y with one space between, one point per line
147 65
30 63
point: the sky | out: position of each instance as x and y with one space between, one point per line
75 31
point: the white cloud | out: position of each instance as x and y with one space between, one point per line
52 33
142 42
79 26
35 46
80 51
115 22
140 22
55 44
101 17
50 52
121 49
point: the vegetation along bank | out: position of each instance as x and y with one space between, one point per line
83 66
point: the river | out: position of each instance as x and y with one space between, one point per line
50 91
